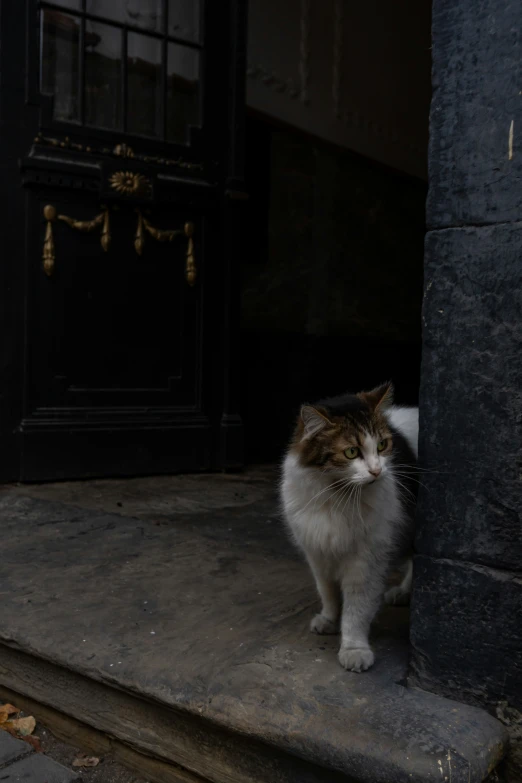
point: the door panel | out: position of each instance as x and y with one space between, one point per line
125 163
114 321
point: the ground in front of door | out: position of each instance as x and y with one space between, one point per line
19 762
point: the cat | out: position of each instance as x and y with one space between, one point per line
349 493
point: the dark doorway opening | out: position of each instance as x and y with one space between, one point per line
332 279
338 100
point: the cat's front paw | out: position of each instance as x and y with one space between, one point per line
396 596
356 659
321 624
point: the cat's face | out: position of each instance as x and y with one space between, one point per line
356 443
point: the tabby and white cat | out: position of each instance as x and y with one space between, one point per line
349 494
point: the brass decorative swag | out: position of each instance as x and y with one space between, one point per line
144 225
50 214
167 235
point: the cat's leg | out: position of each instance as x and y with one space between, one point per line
327 621
400 594
362 590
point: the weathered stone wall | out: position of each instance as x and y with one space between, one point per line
332 301
467 604
354 74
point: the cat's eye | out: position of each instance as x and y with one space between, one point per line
382 445
352 452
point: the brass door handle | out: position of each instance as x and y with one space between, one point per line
167 235
51 215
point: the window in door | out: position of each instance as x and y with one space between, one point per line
131 66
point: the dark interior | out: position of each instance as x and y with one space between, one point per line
332 279
124 353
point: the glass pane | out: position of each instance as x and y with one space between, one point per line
102 75
184 19
144 94
60 62
140 13
182 92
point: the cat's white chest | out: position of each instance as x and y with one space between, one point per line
330 523
324 530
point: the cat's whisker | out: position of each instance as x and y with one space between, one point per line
406 501
323 490
355 499
339 500
416 469
347 497
359 499
400 479
332 495
404 498
406 490
406 476
409 478
345 488
351 492
340 491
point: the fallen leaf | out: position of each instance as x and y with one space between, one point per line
34 742
6 710
9 708
85 761
23 726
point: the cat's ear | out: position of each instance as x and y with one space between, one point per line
313 420
379 398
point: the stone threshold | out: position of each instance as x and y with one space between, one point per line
181 630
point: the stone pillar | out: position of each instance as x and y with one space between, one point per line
466 628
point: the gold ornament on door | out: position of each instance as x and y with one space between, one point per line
51 215
167 235
130 183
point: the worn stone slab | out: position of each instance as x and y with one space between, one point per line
470 500
476 611
476 100
12 748
95 743
200 749
159 498
205 617
37 768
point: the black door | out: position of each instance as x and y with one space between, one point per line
121 152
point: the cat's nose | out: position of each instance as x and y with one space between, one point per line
376 472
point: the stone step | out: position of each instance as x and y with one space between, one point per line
36 769
20 764
188 642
